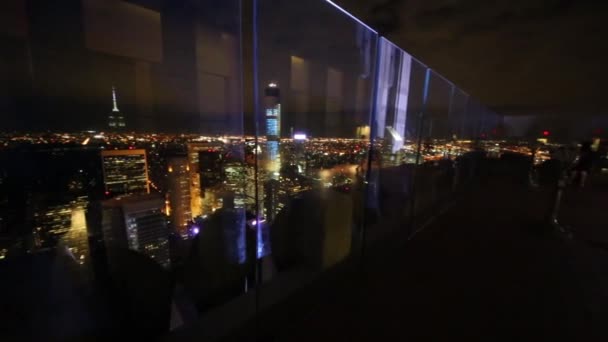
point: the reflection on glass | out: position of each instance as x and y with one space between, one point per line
131 173
126 178
315 128
392 99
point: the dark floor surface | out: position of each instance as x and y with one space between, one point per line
486 270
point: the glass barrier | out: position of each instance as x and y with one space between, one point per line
464 139
167 164
315 81
123 208
458 114
433 171
399 100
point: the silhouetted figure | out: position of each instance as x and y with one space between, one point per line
552 170
583 165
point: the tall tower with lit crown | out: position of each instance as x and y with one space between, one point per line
272 106
116 121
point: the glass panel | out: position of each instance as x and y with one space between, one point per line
399 95
463 140
122 166
474 117
315 92
136 192
434 176
458 114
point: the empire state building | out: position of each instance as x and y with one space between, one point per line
116 121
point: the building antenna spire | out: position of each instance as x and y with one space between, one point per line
114 102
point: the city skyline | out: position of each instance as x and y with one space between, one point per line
161 160
327 96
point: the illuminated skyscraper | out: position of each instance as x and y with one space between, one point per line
179 194
272 106
116 120
196 198
76 240
211 167
51 221
236 182
196 193
136 222
125 172
61 223
272 203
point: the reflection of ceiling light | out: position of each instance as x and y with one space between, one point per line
255 222
272 85
396 136
350 15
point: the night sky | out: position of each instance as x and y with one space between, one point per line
177 65
517 56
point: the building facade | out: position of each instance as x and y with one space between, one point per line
138 223
125 172
179 194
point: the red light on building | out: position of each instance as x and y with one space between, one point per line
546 133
